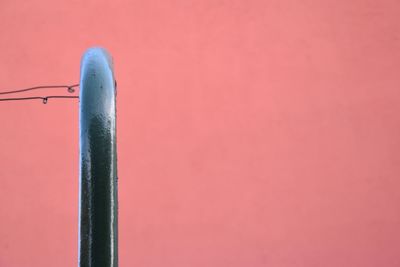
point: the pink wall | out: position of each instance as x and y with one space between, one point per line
251 133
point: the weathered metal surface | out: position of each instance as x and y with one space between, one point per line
98 223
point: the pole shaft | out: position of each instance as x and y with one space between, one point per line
98 223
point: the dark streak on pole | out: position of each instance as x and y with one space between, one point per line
98 243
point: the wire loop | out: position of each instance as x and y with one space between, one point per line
70 89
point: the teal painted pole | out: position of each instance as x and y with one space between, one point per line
98 224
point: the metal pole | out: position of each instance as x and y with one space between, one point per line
98 206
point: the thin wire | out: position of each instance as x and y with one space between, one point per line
43 98
69 87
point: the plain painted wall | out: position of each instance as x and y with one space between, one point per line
250 133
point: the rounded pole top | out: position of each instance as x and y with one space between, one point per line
97 56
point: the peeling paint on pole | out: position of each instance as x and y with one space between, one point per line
98 222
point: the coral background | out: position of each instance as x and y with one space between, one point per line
250 133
